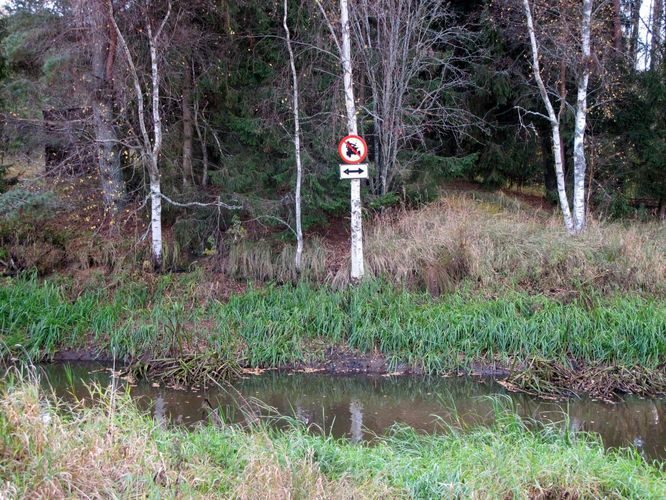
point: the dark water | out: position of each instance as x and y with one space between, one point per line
360 407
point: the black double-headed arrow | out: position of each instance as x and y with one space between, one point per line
357 171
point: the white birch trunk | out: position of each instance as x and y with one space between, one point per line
156 221
151 150
153 171
297 147
554 120
580 164
357 268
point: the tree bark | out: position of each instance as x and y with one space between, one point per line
635 30
150 149
617 27
580 163
657 24
357 265
204 148
554 120
104 42
297 146
188 129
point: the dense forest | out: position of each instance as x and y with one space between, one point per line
184 113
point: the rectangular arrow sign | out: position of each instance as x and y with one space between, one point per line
354 171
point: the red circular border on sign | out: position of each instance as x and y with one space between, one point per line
342 143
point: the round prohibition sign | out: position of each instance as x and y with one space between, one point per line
353 149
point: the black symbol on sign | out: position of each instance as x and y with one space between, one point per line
352 150
359 171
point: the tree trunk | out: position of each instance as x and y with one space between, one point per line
657 23
156 220
150 149
104 51
153 170
204 148
297 146
549 177
635 30
580 163
357 267
617 27
554 122
188 132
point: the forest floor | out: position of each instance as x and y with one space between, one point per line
481 282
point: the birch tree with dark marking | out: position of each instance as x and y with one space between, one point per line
553 118
357 265
150 147
566 35
343 44
297 143
580 162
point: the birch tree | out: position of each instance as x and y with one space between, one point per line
297 143
343 45
580 162
150 146
574 222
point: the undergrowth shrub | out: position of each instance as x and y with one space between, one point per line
27 241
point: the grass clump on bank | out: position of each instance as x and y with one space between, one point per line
112 450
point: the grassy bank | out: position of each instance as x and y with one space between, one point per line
112 450
286 325
485 241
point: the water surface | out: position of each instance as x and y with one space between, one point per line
360 407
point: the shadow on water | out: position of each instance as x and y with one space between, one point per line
360 407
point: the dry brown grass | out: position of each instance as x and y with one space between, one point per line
266 261
501 242
269 470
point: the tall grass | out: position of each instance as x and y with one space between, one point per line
485 241
266 261
460 239
111 450
275 326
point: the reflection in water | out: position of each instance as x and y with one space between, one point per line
359 407
356 413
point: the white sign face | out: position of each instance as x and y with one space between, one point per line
354 171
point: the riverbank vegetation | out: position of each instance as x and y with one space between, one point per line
110 449
299 326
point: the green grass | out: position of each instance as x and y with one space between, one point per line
274 326
111 450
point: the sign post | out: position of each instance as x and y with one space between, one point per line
353 150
